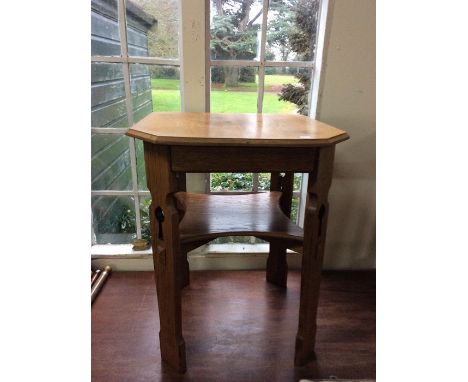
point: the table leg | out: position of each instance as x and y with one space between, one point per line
277 265
164 218
184 274
315 227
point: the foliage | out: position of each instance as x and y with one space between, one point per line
302 42
119 221
163 35
281 25
166 96
125 221
167 72
145 220
233 36
229 181
298 94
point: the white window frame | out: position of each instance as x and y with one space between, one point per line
261 64
126 61
191 102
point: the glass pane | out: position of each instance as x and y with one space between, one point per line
287 90
233 89
294 208
141 91
110 162
153 28
140 161
230 181
154 88
105 38
145 202
264 181
291 30
297 181
165 87
235 29
237 239
108 107
113 219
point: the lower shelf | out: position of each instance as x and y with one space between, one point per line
207 217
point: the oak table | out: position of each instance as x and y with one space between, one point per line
180 143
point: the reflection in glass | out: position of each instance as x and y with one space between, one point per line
113 219
153 28
105 37
110 162
154 88
140 162
108 107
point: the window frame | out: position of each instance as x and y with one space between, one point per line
261 64
200 181
126 60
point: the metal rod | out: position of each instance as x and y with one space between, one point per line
96 274
100 282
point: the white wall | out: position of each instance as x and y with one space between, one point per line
347 101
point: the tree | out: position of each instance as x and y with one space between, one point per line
302 42
281 24
233 36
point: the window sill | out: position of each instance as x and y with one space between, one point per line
207 257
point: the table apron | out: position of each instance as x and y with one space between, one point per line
242 159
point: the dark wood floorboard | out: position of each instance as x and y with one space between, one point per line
236 328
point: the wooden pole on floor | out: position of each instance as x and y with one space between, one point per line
100 282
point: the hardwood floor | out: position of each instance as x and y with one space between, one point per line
236 327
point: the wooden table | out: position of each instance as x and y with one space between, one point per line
178 143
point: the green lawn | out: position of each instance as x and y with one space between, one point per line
270 80
279 79
166 96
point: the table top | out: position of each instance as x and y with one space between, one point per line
235 129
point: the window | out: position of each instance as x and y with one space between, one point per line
261 60
134 71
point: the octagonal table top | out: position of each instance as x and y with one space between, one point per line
235 129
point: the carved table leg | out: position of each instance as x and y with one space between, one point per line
184 274
315 227
277 266
166 253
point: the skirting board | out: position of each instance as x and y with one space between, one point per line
337 380
198 261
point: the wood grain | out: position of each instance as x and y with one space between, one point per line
212 216
237 328
240 159
282 130
167 257
315 227
277 265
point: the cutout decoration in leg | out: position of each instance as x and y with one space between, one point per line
160 218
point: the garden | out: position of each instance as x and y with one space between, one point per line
238 99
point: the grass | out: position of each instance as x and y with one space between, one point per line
166 96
